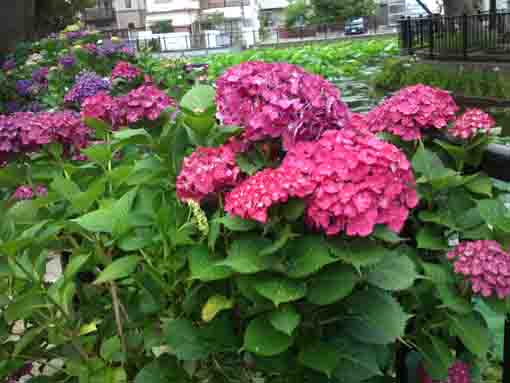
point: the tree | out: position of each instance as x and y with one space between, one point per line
298 13
333 11
163 27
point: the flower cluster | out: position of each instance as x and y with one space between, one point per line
471 123
67 61
87 84
359 122
207 171
459 372
23 87
272 100
350 181
412 110
40 76
27 132
8 65
485 265
90 48
144 102
125 70
75 35
27 192
103 107
112 47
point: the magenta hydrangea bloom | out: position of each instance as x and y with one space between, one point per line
40 76
144 102
459 372
103 107
359 122
272 100
353 181
252 198
472 123
412 110
207 171
87 84
125 70
485 265
27 192
90 48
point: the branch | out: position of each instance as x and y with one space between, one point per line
118 319
424 6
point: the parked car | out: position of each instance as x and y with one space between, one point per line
356 26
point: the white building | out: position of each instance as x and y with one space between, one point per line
411 8
274 11
129 13
235 13
182 13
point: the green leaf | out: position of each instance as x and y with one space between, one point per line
27 339
431 238
234 223
99 153
322 357
199 99
452 300
263 339
214 305
98 221
285 319
118 269
395 272
75 265
294 209
162 370
285 235
359 252
473 332
100 127
110 350
495 213
306 256
24 305
427 163
332 284
280 290
437 273
357 361
65 187
185 340
125 136
437 357
376 317
482 184
205 267
384 234
244 256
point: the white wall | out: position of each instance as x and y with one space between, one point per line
135 4
251 13
179 18
273 4
171 5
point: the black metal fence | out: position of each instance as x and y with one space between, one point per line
481 36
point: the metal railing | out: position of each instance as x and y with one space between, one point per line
98 14
208 4
479 37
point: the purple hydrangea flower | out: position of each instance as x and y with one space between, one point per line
12 107
75 35
87 84
9 65
109 48
40 76
67 61
23 87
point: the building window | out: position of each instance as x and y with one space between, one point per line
128 4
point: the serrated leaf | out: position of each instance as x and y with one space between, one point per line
437 273
384 234
495 213
376 317
359 252
277 245
280 290
452 300
482 184
244 256
118 269
322 357
199 99
473 332
285 319
306 256
234 223
205 267
332 284
437 357
427 163
395 272
214 305
263 339
65 187
185 340
357 361
431 238
99 153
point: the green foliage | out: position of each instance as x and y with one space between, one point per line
334 11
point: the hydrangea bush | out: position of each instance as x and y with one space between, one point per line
304 244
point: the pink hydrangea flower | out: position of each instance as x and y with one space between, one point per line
125 70
472 123
354 181
412 110
359 122
145 102
27 192
272 100
103 107
485 265
254 196
459 372
207 171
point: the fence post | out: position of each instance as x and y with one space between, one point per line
431 36
410 36
464 36
403 35
506 351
